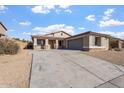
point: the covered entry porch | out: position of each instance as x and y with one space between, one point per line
116 43
48 43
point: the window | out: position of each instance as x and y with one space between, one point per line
61 34
40 42
97 41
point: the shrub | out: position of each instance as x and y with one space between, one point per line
117 49
113 44
1 49
8 47
29 45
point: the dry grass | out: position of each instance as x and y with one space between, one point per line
116 57
14 69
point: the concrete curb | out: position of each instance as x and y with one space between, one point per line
30 72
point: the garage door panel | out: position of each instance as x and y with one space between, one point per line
75 44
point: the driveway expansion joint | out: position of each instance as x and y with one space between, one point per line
110 82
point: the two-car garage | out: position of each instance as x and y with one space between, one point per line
75 43
78 43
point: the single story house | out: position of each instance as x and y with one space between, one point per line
50 41
3 30
84 41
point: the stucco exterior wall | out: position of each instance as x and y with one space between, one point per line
2 30
59 34
120 44
104 43
86 42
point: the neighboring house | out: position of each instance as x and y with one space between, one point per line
2 30
84 41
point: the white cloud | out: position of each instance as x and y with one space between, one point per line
58 11
111 22
25 23
115 34
26 33
2 8
11 30
108 14
53 28
105 18
64 6
107 21
43 9
91 18
68 11
81 28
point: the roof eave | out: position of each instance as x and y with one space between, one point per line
3 26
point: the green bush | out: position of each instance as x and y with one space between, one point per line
1 49
8 47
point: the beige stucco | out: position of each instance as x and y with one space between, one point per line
120 44
86 42
58 34
104 43
2 30
34 41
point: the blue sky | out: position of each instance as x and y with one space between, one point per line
23 21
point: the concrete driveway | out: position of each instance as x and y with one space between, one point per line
70 68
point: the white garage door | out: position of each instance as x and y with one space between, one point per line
75 44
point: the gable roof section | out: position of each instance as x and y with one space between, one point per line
3 26
89 33
38 36
58 32
94 33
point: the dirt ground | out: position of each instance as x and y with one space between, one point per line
116 57
15 69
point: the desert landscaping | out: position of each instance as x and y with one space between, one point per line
116 57
15 69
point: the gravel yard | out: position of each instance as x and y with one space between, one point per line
116 57
14 69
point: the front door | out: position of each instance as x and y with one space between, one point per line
52 44
60 44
